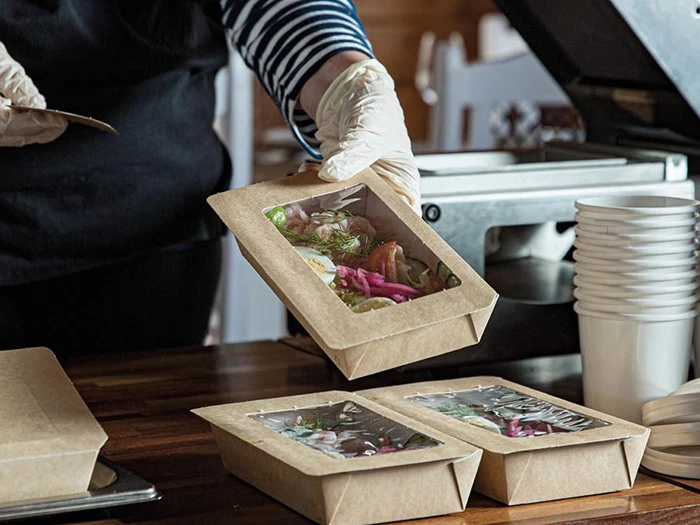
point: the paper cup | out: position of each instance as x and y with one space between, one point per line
688 287
636 278
628 362
641 272
649 301
679 228
635 292
621 255
631 263
638 205
624 283
652 318
652 253
663 221
622 240
635 309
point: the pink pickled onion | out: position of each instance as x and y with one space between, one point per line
373 284
392 288
362 279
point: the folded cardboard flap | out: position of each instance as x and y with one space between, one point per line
392 494
633 450
465 470
49 439
560 473
365 359
462 311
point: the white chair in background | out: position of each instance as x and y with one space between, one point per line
507 72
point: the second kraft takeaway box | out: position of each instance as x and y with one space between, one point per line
341 459
363 343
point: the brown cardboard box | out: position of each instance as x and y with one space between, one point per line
359 343
530 469
49 440
343 491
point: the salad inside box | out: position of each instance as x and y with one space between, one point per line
345 430
363 260
507 412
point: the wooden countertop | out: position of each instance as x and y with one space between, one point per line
143 403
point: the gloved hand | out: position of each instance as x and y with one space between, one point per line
19 128
361 124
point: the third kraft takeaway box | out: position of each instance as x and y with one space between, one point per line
536 447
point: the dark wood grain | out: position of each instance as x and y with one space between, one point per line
143 402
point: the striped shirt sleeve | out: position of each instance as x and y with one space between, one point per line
286 41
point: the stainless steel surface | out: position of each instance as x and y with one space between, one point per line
559 164
72 117
463 220
675 163
547 282
111 486
530 187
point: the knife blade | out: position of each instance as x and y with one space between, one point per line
72 117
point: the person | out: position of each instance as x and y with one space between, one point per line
107 242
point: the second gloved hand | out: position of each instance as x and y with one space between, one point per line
361 124
18 128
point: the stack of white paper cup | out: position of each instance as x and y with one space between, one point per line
637 293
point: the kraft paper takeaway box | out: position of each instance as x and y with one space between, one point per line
372 341
536 447
49 440
340 459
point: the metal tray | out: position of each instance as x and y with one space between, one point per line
110 486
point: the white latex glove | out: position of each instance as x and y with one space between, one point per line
19 128
361 124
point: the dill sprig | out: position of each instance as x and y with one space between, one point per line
457 410
332 216
303 428
338 242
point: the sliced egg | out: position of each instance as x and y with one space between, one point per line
319 263
373 303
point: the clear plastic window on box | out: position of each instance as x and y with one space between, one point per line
345 430
356 245
507 412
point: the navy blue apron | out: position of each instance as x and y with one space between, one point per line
89 198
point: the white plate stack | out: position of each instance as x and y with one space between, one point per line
637 292
674 444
